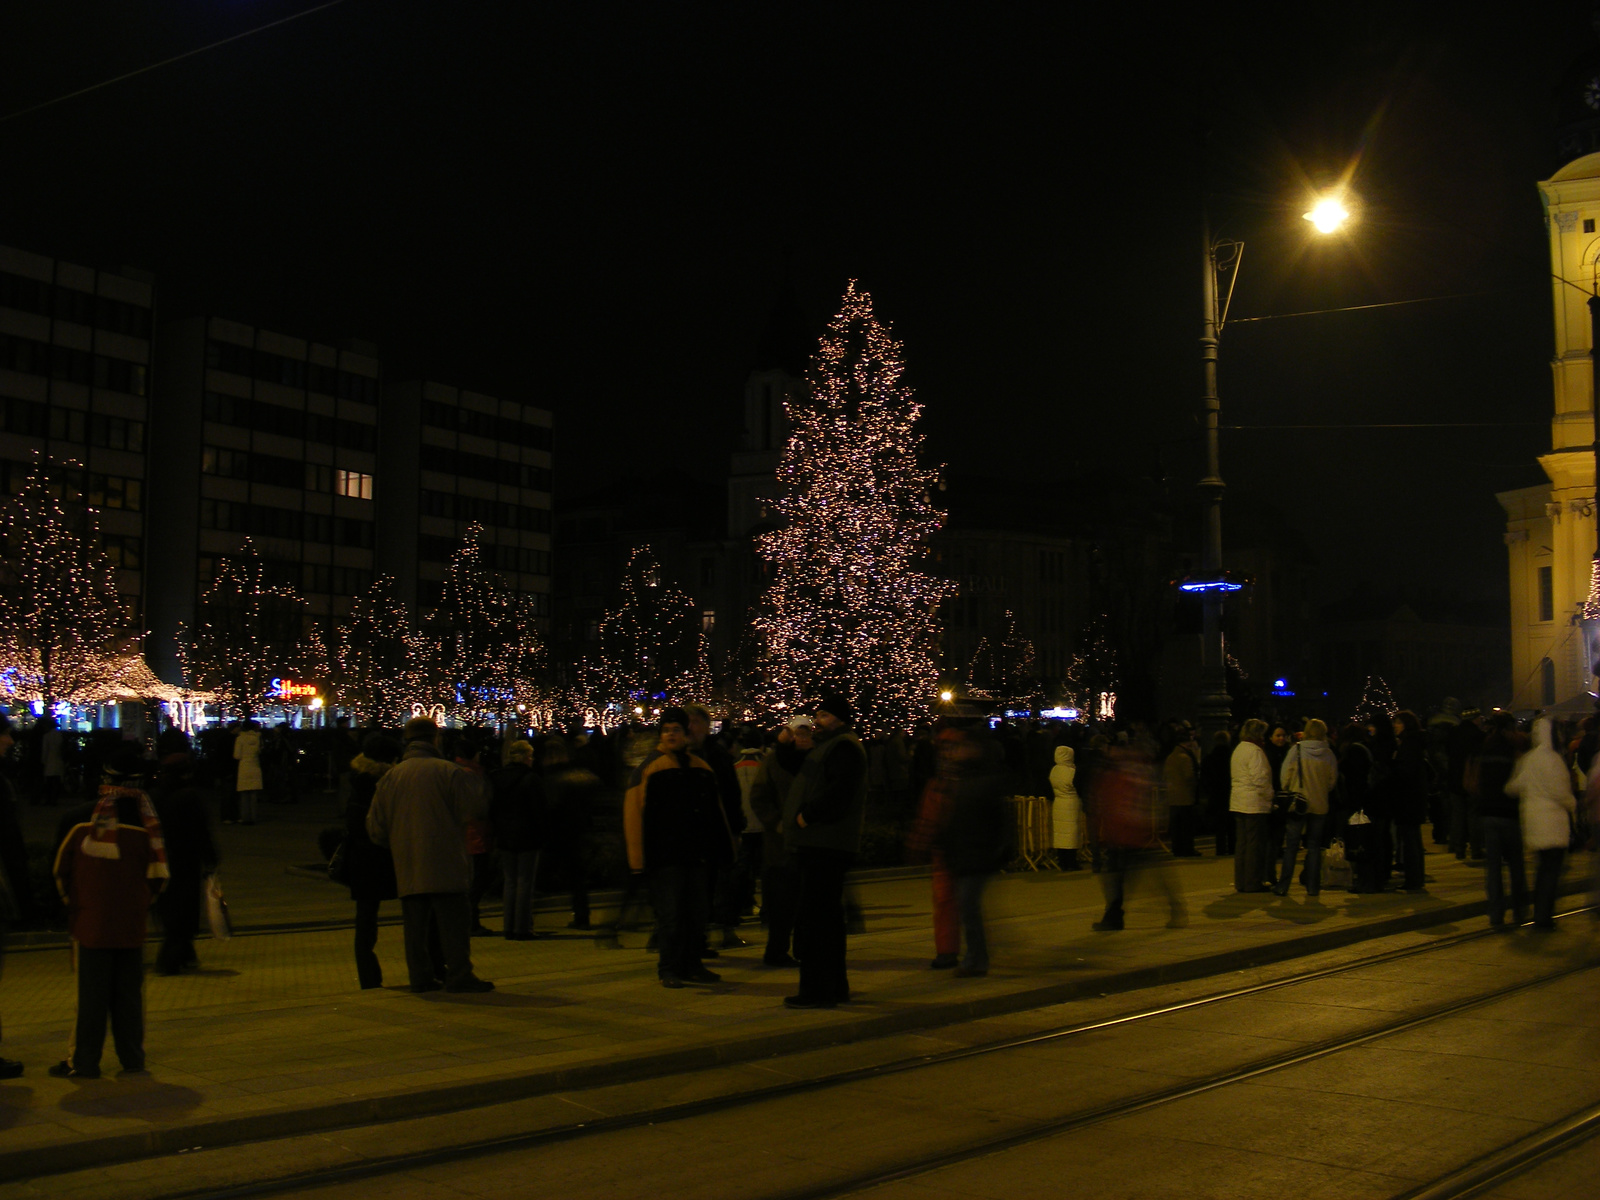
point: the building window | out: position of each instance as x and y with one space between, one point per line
234 464
1547 682
1547 594
355 484
319 478
708 572
708 621
1588 224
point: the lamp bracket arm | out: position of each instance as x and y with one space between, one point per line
1225 259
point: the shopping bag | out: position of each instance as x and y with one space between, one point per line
216 909
1336 871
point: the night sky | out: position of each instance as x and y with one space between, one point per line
596 206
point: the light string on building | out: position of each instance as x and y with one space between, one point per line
848 608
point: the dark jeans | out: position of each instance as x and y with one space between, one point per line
1310 825
110 984
1466 830
368 969
519 869
969 903
678 892
1123 868
1409 836
1223 820
1274 847
1502 843
1180 825
1545 885
451 915
179 909
572 862
819 924
482 877
1250 851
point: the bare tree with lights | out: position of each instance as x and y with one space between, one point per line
651 644
1004 669
472 637
847 608
375 656
66 630
246 633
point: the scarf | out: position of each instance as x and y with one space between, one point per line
102 839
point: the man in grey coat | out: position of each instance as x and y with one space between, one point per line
420 811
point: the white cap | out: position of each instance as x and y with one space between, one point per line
801 722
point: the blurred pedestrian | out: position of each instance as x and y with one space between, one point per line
822 822
420 811
1543 783
924 845
974 836
517 823
1310 773
191 855
108 872
723 882
675 827
1497 814
52 759
571 791
1409 788
1127 816
1066 810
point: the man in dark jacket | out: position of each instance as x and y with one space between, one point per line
675 828
822 820
974 837
191 856
517 823
369 869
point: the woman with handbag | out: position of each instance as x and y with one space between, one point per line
1309 774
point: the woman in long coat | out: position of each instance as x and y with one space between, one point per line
1066 810
1544 783
247 752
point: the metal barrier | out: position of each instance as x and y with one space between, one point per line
1034 849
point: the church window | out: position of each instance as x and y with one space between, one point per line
1547 682
1547 594
1588 224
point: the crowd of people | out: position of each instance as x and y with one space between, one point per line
711 820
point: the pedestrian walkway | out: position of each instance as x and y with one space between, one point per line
273 1037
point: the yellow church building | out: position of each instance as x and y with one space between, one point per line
1550 528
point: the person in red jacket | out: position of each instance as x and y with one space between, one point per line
109 870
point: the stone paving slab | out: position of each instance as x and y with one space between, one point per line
272 1037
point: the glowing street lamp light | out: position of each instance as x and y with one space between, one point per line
947 695
1327 214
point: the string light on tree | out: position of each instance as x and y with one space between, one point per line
248 632
1004 670
1377 702
651 645
847 608
470 641
375 655
65 632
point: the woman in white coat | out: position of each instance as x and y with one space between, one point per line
1544 784
247 752
1066 812
1251 804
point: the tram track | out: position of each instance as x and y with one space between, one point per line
379 1166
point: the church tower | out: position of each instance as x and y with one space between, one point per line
778 376
1551 528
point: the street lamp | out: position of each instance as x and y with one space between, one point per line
1222 257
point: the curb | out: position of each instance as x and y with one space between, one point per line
429 1101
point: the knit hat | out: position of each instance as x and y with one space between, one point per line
802 722
675 716
833 702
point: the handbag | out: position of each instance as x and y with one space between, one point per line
1336 869
216 909
1291 803
339 865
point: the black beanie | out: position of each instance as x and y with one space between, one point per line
674 716
836 704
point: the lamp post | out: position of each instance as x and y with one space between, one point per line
1215 707
1589 614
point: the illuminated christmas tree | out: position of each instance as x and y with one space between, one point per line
248 632
65 631
652 651
471 639
1004 670
1377 703
375 667
847 608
